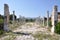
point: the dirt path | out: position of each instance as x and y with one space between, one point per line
29 28
26 32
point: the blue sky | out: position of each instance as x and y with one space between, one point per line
29 8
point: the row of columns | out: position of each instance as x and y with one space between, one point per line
22 19
54 18
6 18
47 19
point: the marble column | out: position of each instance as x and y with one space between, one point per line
6 17
13 16
43 21
54 18
47 18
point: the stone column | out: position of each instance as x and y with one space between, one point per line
54 18
23 20
38 20
47 18
6 17
13 16
43 21
20 19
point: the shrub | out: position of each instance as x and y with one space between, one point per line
1 24
50 24
57 28
10 22
1 32
1 21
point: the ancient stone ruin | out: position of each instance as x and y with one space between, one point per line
6 17
54 18
47 18
13 16
38 20
43 21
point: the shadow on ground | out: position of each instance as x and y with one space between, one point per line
21 33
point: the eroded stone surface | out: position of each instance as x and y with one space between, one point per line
6 17
24 37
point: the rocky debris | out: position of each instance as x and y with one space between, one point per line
24 37
30 29
26 31
4 37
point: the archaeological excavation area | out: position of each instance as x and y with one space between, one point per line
23 28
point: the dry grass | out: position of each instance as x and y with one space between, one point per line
44 36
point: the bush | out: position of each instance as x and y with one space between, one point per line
1 21
10 22
1 32
57 28
50 24
1 24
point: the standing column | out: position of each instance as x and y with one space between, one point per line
20 19
54 18
23 20
43 21
47 18
6 17
13 16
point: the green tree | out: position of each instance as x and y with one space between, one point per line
1 22
1 32
1 16
57 28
